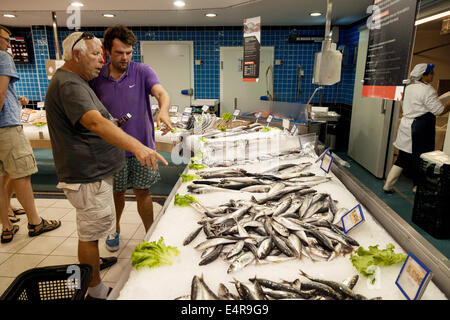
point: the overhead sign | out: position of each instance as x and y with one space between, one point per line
252 45
389 51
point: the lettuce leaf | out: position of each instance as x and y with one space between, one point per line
198 157
222 128
196 166
364 260
184 201
265 129
202 139
227 116
189 177
153 254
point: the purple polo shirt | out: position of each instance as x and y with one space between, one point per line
129 94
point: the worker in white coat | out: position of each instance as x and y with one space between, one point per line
417 130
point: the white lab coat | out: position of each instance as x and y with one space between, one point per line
419 98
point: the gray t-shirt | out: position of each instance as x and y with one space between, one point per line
80 155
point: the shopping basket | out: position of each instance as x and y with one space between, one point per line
63 282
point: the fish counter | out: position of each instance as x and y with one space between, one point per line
271 228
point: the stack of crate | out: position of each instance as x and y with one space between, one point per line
432 201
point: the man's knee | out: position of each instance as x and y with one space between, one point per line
141 193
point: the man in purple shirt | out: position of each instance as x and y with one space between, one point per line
123 87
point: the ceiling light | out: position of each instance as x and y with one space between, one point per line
77 4
211 15
109 15
315 14
179 3
9 15
431 18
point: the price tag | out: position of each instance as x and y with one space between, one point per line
286 124
327 160
205 108
269 119
173 109
25 117
294 129
187 110
413 278
352 218
155 107
185 118
40 104
236 112
258 115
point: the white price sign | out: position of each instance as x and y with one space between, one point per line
286 124
413 278
185 118
188 110
173 109
236 112
294 129
327 160
269 118
40 104
258 115
352 218
205 108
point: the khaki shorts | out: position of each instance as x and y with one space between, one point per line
94 204
16 155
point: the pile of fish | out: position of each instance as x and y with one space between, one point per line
290 221
308 288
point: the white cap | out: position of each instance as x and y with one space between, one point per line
419 70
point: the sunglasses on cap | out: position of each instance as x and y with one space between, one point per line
84 35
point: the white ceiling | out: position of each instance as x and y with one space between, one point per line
163 13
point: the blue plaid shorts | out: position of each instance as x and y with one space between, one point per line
135 175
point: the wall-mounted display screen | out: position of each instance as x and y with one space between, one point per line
20 51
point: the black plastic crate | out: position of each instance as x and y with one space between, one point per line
431 212
50 283
437 180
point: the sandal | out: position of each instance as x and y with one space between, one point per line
13 218
8 235
44 226
19 211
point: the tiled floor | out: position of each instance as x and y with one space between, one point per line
60 246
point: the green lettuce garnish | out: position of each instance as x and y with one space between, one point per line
265 129
222 128
184 201
174 130
190 177
202 139
364 260
196 166
227 116
198 157
153 254
40 124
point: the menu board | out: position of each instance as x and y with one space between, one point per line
391 39
252 45
19 49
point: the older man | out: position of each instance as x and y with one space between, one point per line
85 142
16 156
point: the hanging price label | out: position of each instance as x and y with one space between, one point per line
205 108
269 119
236 112
413 278
173 109
294 129
327 160
187 110
352 218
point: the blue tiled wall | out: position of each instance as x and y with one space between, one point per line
207 43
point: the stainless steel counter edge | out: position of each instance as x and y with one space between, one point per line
399 229
126 273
